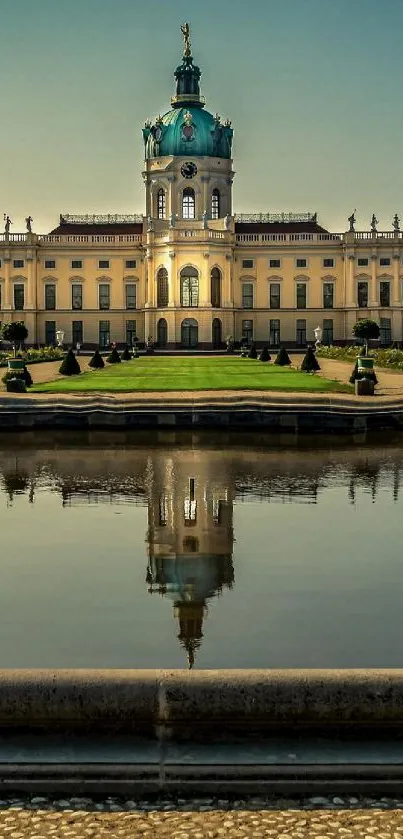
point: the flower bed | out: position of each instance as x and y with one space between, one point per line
383 358
32 356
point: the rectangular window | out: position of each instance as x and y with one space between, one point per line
384 260
328 262
50 296
247 295
275 263
50 263
77 332
300 263
247 330
130 332
301 333
76 296
362 294
247 263
384 293
104 296
327 332
50 333
362 261
328 295
275 295
385 334
76 263
274 333
130 263
18 263
103 263
104 334
131 296
301 295
19 295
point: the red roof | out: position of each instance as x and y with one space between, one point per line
113 229
279 227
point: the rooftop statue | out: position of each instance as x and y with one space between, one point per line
185 29
374 222
28 222
351 220
396 223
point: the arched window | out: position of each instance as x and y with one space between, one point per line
189 287
161 203
188 203
215 204
162 288
162 332
215 288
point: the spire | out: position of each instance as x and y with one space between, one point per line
187 77
190 616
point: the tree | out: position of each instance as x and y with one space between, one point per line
282 358
69 365
114 357
96 362
264 355
15 333
310 363
365 329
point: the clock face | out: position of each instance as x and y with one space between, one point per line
189 170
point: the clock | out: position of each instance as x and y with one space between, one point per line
189 170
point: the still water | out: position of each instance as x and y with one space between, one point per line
158 550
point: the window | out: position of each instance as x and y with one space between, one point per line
76 296
162 288
50 332
76 263
247 263
188 203
385 334
247 330
247 295
50 296
274 333
328 295
50 263
384 260
275 263
362 294
215 288
130 332
215 204
300 263
301 332
384 293
103 263
362 261
19 294
189 287
104 334
104 296
161 203
131 294
301 295
77 332
327 332
131 263
18 263
274 295
328 262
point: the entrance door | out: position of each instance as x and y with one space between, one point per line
162 332
216 334
189 334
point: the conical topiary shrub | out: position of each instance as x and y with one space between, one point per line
252 352
126 354
96 361
114 357
310 363
264 355
369 374
282 358
69 365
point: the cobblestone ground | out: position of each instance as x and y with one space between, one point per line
320 818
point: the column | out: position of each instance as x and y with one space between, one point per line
373 291
228 302
351 299
29 303
7 286
396 280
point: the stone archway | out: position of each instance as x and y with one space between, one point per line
189 334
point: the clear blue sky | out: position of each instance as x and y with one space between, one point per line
313 87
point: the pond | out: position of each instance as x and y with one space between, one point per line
169 550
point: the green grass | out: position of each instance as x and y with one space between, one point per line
158 373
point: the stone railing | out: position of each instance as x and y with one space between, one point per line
88 240
15 238
286 238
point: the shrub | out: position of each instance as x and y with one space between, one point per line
114 357
96 361
366 329
16 385
15 333
252 352
369 374
282 358
265 355
126 354
310 363
70 365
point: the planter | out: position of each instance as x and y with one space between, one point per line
365 364
15 364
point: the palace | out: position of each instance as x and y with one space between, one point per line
190 272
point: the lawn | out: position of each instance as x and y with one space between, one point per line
159 373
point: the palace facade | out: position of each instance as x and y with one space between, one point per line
190 272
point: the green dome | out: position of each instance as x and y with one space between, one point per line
188 132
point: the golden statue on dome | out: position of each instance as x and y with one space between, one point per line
185 29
